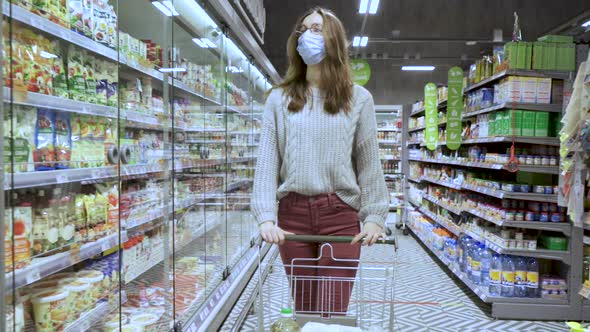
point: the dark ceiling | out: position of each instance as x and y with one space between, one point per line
423 31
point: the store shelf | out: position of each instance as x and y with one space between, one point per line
443 123
564 228
511 195
520 72
45 266
442 183
444 206
205 130
415 180
456 230
441 105
244 133
94 316
210 141
563 256
554 108
383 141
389 129
552 141
390 158
524 168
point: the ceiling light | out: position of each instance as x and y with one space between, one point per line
200 43
374 6
364 6
418 68
471 43
166 7
586 25
364 41
356 41
209 42
173 70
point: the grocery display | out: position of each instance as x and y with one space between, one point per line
129 153
484 218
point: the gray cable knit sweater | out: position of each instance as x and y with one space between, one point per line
312 152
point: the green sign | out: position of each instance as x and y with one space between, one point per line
454 108
431 116
361 71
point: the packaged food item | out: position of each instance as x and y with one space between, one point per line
58 12
79 297
113 321
44 153
113 85
147 322
94 278
100 30
128 328
50 310
22 229
90 78
101 82
63 140
101 206
91 215
88 17
37 66
112 27
76 81
18 149
58 73
76 8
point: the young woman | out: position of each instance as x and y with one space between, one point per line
319 157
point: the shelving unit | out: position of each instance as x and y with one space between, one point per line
173 224
506 308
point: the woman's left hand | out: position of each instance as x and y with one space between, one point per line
371 232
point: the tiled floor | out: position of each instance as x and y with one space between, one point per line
425 298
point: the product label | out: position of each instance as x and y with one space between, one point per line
532 279
520 277
507 278
495 276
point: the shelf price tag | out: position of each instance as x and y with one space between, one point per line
431 116
454 108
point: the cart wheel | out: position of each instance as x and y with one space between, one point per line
398 226
406 231
388 231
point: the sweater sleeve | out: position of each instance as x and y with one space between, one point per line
374 194
266 176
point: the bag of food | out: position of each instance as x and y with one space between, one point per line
100 31
81 222
76 81
101 82
76 15
63 140
58 73
88 17
90 78
44 152
18 147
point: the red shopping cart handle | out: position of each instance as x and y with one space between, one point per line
332 239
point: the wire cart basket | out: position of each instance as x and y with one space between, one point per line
320 293
397 186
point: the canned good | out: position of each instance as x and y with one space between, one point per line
556 217
519 216
545 160
510 215
516 188
539 189
556 189
521 159
544 217
530 216
553 161
534 206
508 187
537 160
548 190
525 188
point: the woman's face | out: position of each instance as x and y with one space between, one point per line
313 21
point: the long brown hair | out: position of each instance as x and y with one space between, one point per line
335 77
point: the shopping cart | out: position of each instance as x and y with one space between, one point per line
315 296
397 186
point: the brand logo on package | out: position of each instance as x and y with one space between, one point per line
454 108
431 116
361 71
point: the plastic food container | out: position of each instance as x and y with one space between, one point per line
545 160
510 215
530 216
556 217
530 160
519 216
525 188
508 187
79 296
548 190
112 322
521 159
94 278
553 161
539 189
544 217
128 328
538 161
148 322
50 309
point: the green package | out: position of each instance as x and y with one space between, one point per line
76 81
492 125
510 51
557 39
542 124
90 78
514 122
528 123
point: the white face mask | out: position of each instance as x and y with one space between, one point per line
311 47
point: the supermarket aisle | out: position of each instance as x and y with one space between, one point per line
427 299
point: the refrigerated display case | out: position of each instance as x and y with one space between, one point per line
129 143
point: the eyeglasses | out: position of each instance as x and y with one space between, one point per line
315 29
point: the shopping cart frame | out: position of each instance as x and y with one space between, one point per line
403 195
374 273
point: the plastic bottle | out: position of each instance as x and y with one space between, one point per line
460 244
532 278
485 259
507 276
467 256
286 323
520 279
475 264
495 275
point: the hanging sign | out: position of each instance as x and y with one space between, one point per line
361 71
431 116
454 108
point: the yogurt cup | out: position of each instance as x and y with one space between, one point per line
50 310
94 278
79 296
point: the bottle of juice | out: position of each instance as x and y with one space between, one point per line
286 323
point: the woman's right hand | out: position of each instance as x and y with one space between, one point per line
272 233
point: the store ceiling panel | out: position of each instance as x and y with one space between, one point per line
429 29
